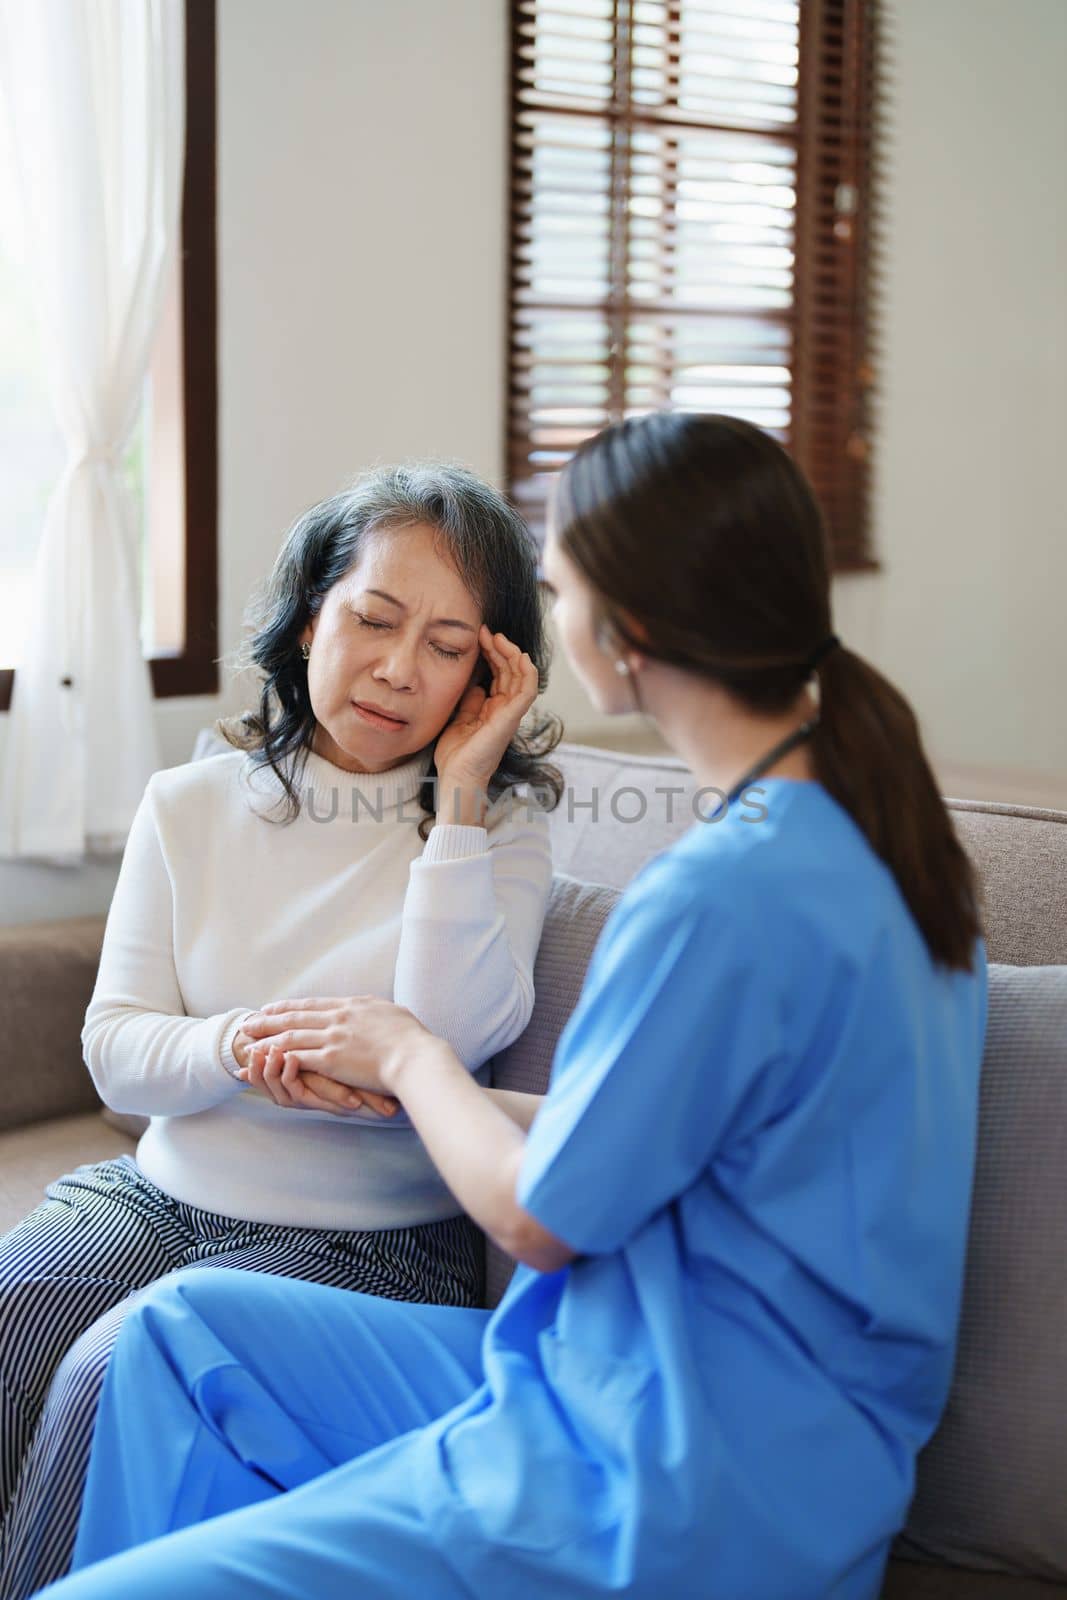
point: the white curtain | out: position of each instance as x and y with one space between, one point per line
95 94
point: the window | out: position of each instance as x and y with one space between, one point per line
171 463
690 230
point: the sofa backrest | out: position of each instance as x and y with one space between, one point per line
1020 852
991 1484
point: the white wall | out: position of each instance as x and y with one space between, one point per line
971 511
362 194
362 218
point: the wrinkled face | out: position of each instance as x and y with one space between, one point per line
392 650
575 610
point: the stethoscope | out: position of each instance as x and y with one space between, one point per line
784 746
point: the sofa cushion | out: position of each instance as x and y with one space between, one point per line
128 1122
576 913
992 1482
617 810
48 971
32 1157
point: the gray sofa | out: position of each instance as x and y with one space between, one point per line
989 1518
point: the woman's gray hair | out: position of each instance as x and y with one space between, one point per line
493 553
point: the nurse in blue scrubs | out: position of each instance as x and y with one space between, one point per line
741 1209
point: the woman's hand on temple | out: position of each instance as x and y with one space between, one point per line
353 1043
469 749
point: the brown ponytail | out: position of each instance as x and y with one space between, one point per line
868 754
705 531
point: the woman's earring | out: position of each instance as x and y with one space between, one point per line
622 668
305 650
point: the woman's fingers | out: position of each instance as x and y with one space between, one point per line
502 665
257 1058
515 675
290 1071
303 1085
384 1104
254 1074
312 1092
511 656
298 1037
267 1023
499 659
529 683
279 1076
522 674
272 1078
470 707
299 1097
338 1096
485 640
316 1091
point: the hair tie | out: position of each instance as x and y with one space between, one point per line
820 651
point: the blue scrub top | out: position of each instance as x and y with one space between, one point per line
760 1135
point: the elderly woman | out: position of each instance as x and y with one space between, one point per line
364 837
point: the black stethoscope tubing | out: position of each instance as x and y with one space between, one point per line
790 741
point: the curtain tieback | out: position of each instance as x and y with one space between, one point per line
98 458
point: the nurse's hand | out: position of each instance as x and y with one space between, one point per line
263 1075
358 1042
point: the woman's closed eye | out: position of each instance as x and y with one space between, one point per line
371 622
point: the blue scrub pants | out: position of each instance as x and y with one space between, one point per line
230 1389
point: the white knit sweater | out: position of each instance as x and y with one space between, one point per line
219 910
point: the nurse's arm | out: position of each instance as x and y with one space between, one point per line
476 1146
521 1108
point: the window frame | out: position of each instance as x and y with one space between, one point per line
833 317
194 669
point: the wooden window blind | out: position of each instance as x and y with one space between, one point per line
691 229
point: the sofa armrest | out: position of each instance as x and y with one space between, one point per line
47 972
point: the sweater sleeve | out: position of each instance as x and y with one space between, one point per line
473 913
144 1053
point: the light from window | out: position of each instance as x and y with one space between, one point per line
32 450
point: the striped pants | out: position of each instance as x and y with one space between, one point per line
68 1276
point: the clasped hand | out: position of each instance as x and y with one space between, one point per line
337 1055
